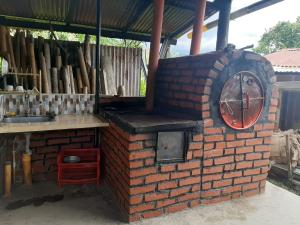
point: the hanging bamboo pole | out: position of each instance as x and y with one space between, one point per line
45 82
54 80
87 51
66 80
84 73
93 80
72 79
79 81
33 64
61 86
3 43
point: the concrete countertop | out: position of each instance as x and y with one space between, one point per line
61 122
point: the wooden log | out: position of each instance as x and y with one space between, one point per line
17 50
87 51
45 82
66 80
72 79
47 55
33 64
49 78
11 51
79 81
84 74
3 43
75 85
85 90
61 86
93 80
23 59
58 60
54 80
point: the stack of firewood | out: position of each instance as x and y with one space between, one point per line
26 54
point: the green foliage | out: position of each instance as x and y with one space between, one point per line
283 35
143 85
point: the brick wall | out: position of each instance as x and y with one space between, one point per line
46 145
222 163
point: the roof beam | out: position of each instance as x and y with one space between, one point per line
245 11
72 9
72 28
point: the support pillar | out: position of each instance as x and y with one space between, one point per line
198 28
154 51
98 56
223 24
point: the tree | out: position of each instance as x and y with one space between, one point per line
283 35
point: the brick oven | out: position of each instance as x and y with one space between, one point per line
208 139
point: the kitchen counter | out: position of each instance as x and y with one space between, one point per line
61 122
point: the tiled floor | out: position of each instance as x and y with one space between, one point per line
88 207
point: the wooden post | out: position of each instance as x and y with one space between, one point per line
154 51
223 24
198 28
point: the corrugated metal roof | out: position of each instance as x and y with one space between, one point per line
124 16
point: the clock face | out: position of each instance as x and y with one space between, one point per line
242 100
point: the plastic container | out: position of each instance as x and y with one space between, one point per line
87 171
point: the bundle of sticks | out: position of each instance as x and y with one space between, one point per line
26 54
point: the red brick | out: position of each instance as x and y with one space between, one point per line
152 214
212 130
136 181
245 135
242 150
177 175
208 162
233 174
253 156
221 145
233 144
85 132
58 141
210 193
142 172
211 177
251 171
164 203
149 162
197 137
254 141
266 155
141 155
179 191
189 196
229 167
242 180
243 165
135 200
195 145
155 196
214 138
213 153
264 162
230 137
188 181
258 127
135 146
250 186
141 208
259 177
229 151
167 185
251 193
197 153
263 148
213 169
136 164
196 172
206 186
269 126
209 146
266 133
47 149
176 208
222 183
239 158
81 139
156 178
265 169
272 117
142 189
34 144
167 168
188 165
208 122
140 137
224 160
231 189
216 200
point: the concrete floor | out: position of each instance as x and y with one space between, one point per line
83 207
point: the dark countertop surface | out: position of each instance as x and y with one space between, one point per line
136 121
